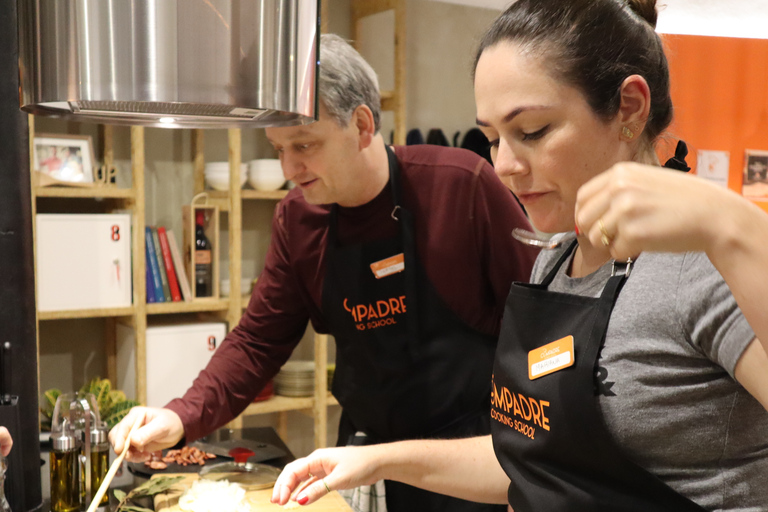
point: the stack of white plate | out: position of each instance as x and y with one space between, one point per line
296 378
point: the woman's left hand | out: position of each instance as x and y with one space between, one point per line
633 207
325 470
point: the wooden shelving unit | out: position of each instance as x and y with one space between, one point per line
250 194
92 193
227 308
394 100
231 201
127 199
195 306
85 313
286 403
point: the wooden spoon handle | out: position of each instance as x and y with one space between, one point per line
114 467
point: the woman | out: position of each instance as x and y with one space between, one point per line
625 380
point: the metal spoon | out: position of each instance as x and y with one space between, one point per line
544 242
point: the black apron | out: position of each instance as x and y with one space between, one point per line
549 433
406 366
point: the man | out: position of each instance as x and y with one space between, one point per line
404 255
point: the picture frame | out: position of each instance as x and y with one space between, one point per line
67 158
755 184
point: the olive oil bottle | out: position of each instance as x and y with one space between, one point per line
99 461
65 473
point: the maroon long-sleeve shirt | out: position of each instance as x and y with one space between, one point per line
462 218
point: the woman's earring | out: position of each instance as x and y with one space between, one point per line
628 133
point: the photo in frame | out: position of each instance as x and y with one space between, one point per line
63 157
755 185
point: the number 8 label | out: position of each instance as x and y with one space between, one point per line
115 233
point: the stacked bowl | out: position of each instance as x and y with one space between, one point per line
265 174
217 175
296 379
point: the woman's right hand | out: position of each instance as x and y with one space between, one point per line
161 428
327 469
640 208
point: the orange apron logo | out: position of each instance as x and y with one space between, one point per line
506 406
376 314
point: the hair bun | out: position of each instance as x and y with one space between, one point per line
646 9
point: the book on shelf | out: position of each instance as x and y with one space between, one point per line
173 284
178 263
150 282
157 284
161 266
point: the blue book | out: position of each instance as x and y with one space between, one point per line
150 283
153 265
161 266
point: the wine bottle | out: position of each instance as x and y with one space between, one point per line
203 259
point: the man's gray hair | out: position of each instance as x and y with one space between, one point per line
346 81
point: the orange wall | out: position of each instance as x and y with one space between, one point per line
720 93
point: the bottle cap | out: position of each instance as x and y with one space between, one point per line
98 436
63 442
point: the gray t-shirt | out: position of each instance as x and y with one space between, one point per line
668 392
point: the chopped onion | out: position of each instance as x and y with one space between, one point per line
214 496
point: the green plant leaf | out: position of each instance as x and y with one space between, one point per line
88 386
51 395
50 402
101 391
133 508
156 486
118 412
120 495
113 398
112 403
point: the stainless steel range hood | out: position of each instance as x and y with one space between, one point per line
170 63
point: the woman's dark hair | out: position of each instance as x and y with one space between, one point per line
593 45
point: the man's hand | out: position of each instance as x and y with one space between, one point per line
162 428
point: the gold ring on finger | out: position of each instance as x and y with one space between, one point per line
326 486
604 236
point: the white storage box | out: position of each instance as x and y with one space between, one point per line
83 261
175 356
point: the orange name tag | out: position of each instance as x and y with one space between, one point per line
550 358
388 266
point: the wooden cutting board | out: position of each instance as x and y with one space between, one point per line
259 500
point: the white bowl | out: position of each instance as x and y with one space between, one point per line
222 167
217 175
221 181
245 286
265 174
